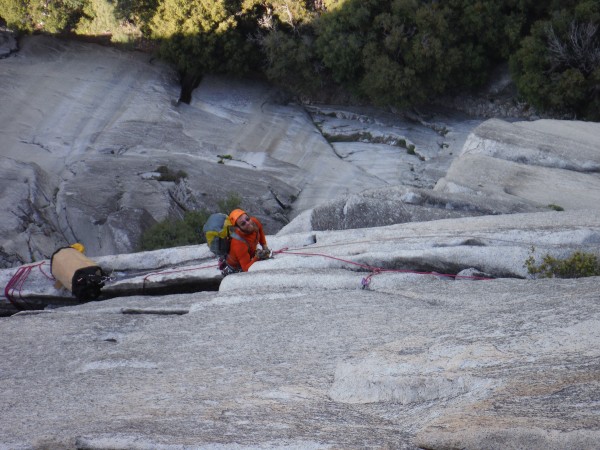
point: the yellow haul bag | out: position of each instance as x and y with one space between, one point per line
76 272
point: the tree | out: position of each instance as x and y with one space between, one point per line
175 233
557 67
406 52
15 13
48 16
202 36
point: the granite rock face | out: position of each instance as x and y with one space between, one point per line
558 144
503 168
542 163
98 126
27 227
99 123
397 312
301 352
8 43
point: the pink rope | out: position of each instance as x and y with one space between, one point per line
376 270
17 282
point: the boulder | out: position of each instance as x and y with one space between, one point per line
8 43
546 163
529 186
399 204
560 144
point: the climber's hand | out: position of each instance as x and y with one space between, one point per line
265 253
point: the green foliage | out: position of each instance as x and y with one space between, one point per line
557 67
171 233
15 14
341 37
233 201
103 17
138 12
578 265
282 13
222 158
118 19
201 36
405 52
167 174
49 16
289 61
188 231
555 207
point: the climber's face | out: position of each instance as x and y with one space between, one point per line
245 224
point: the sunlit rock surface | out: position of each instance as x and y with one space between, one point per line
543 163
400 330
86 128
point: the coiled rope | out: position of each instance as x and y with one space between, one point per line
17 282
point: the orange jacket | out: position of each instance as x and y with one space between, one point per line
242 255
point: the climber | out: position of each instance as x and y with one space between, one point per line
242 252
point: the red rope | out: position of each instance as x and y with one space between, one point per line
18 281
50 277
11 285
376 270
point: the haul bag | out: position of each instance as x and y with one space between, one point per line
76 272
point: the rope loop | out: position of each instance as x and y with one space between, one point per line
17 282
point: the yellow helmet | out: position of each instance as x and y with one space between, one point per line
79 247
